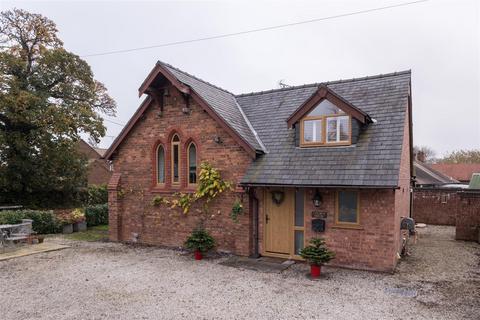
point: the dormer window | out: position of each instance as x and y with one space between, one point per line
325 125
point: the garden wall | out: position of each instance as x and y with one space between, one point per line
468 216
435 206
449 207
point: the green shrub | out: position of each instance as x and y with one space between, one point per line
96 215
317 252
95 194
200 240
43 221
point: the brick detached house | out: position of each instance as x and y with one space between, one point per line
328 160
98 170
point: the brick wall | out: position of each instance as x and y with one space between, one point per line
435 206
371 247
135 161
449 207
403 194
98 169
468 216
98 172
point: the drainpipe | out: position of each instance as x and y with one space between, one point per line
253 201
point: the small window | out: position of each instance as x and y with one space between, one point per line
175 159
338 129
325 108
347 208
325 124
192 163
160 165
312 131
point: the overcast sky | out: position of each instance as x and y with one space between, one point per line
438 40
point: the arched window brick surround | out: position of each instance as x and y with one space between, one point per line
183 184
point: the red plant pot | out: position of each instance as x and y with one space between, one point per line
315 270
198 255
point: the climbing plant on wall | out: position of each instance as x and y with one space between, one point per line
210 185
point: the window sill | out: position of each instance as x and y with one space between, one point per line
171 190
348 226
332 144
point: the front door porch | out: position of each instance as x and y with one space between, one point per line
283 222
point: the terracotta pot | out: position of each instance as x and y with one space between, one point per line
198 255
315 270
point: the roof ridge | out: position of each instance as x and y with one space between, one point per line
316 84
437 174
195 77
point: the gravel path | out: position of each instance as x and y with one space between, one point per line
440 280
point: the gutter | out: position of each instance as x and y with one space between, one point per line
278 185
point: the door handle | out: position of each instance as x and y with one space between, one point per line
266 218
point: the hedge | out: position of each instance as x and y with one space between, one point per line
94 194
96 215
43 221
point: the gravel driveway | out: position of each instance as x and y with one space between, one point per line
95 280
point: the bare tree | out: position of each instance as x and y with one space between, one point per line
424 153
462 156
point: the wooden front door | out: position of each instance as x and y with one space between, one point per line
278 222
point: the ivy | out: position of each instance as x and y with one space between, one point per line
184 201
237 209
158 200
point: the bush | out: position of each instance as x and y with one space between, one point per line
200 240
95 194
43 221
317 252
97 215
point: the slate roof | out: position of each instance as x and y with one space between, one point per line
260 119
373 161
425 175
222 102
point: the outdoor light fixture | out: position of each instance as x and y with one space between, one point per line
277 196
317 199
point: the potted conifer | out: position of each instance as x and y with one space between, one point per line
316 254
200 241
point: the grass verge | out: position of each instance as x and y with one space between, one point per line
97 233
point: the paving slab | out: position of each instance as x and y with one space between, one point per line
32 249
263 264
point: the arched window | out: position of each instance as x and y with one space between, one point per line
192 163
160 165
175 159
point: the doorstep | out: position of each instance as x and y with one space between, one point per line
262 264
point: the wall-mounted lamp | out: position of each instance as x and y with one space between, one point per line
317 199
217 139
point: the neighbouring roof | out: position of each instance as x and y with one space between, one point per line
373 161
425 175
458 171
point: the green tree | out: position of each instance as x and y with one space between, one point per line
462 156
48 97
